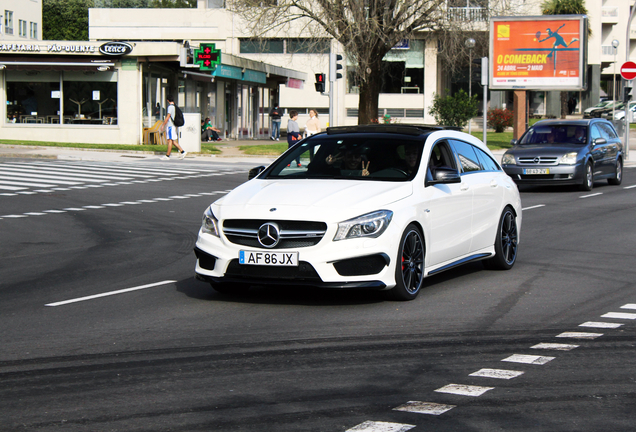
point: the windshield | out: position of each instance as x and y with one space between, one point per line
555 134
355 156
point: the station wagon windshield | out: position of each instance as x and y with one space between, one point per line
354 157
555 134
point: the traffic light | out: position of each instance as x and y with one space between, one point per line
320 82
334 66
627 94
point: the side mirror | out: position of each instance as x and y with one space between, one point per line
255 171
600 141
445 176
514 142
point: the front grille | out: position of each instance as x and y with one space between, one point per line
539 160
293 234
368 265
303 272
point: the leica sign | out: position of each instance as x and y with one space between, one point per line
115 48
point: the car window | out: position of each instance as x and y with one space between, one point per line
595 132
486 161
468 159
607 131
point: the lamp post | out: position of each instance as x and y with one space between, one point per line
615 44
470 44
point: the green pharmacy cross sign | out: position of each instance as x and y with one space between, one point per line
207 57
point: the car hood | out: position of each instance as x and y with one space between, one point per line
544 150
327 200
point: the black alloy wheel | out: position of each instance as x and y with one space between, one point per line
409 271
506 243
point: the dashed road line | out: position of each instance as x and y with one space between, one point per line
376 426
554 346
596 324
528 359
579 335
591 195
619 315
110 293
497 373
533 207
431 408
464 390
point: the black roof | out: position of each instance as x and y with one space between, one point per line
406 129
572 122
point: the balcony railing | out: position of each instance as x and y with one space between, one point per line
467 14
607 50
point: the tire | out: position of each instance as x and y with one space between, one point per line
230 288
505 243
618 174
588 178
409 269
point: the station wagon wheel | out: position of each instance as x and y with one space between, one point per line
505 243
618 174
588 178
409 269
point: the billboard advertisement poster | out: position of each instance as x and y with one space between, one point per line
538 53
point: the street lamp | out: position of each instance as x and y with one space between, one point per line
615 44
470 44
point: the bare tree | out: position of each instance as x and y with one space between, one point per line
367 30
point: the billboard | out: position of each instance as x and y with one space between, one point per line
546 52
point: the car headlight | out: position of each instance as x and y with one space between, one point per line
368 225
568 158
210 225
508 159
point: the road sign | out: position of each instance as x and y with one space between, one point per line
628 70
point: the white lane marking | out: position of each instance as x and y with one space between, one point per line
554 346
10 194
147 201
50 190
528 359
533 207
35 214
113 205
93 207
130 202
65 173
54 211
12 188
630 187
40 178
179 197
163 199
94 186
464 390
579 335
425 407
591 195
61 189
600 324
74 209
497 373
629 306
28 193
106 294
13 216
24 183
376 426
619 315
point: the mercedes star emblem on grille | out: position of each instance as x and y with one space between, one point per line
536 160
269 234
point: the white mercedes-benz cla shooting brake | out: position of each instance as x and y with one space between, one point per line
374 207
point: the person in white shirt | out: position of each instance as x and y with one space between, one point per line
172 134
313 124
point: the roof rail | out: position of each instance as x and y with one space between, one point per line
407 129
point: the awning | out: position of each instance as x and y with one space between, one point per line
55 64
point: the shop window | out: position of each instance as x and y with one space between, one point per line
8 22
87 97
285 46
402 70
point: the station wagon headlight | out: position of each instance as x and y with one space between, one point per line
568 158
508 159
368 225
210 225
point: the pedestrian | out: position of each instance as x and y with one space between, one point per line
171 130
313 124
208 132
293 132
275 116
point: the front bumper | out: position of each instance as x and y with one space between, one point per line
558 174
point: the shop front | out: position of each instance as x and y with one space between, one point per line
109 92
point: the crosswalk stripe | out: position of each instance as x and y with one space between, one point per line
40 178
76 174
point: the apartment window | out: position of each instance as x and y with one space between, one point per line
22 28
8 22
285 46
216 4
34 30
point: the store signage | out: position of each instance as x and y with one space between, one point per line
54 48
207 57
115 48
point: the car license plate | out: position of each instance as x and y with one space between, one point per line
536 171
268 258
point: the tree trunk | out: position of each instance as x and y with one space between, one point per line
369 95
564 104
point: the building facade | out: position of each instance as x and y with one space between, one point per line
20 21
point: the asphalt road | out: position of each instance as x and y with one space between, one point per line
163 352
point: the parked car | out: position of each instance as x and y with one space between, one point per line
376 207
562 152
620 113
607 110
587 113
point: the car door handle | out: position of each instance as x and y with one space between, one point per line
493 183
